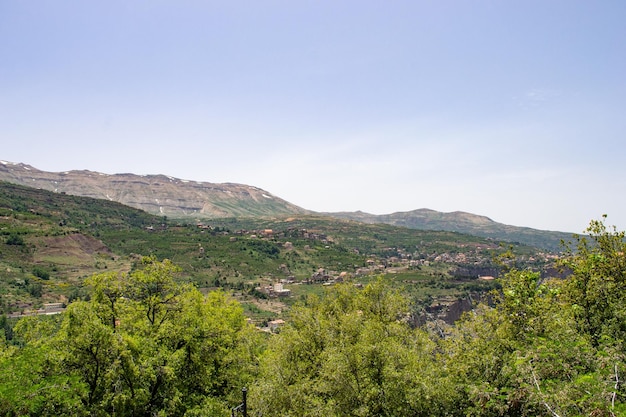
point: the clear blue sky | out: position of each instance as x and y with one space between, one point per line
511 109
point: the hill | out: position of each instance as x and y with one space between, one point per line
458 221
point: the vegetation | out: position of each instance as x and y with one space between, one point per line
157 317
544 348
424 219
145 344
51 242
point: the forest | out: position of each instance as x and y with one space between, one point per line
141 343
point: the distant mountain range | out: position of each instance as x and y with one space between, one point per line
458 221
177 198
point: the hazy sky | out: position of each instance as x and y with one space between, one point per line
511 109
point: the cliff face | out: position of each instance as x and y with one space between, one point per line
156 194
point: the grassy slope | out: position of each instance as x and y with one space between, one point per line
65 238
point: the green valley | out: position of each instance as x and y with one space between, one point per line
53 241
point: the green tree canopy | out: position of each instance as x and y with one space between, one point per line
348 354
142 346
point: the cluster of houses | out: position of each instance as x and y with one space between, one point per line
47 310
321 276
270 233
275 290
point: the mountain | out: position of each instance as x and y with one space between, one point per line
176 198
458 221
156 194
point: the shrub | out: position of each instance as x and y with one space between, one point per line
41 273
15 240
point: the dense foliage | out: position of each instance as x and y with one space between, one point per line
144 345
541 348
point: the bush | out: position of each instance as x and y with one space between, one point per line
41 273
15 240
35 289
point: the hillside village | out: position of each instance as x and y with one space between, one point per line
54 241
465 264
392 259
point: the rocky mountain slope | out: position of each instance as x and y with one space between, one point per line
458 221
156 194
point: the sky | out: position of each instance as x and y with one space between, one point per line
511 109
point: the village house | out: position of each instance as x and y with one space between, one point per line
280 291
274 325
319 277
486 278
275 290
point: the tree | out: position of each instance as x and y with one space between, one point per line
15 239
142 346
31 383
348 354
532 353
88 348
597 286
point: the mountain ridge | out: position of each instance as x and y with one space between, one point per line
156 193
463 222
168 196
